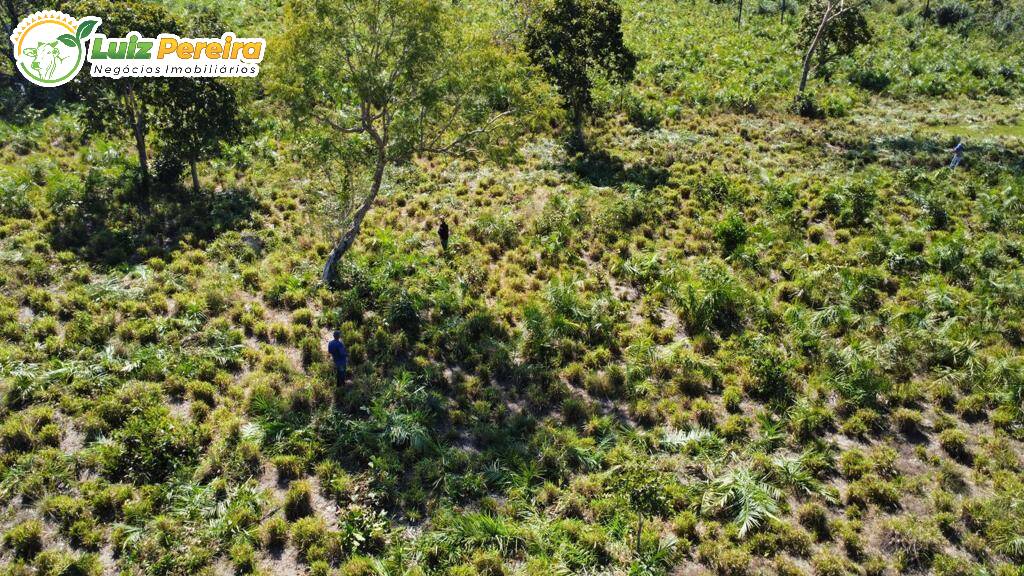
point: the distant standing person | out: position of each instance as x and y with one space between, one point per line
958 154
442 233
336 348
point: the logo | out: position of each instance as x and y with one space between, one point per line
49 46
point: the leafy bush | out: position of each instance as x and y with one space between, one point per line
952 12
298 501
717 301
149 448
274 533
954 442
14 197
731 232
25 539
914 541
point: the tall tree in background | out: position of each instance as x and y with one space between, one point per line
573 40
830 29
11 12
126 103
381 81
199 117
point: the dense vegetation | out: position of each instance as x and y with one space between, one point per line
727 338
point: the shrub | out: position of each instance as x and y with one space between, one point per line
358 566
731 562
915 540
61 563
814 517
298 501
274 533
827 563
732 397
907 420
308 532
149 447
25 540
289 467
731 232
243 556
500 228
714 189
809 419
717 301
871 489
488 564
972 407
954 442
784 567
14 199
952 12
807 105
862 422
63 509
684 525
870 77
771 372
311 351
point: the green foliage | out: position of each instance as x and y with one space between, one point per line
794 346
298 501
149 448
915 542
715 302
574 40
198 118
747 499
845 28
24 539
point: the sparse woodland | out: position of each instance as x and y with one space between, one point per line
690 321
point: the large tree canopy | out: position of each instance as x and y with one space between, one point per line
830 29
389 79
574 40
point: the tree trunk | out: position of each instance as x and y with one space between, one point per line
809 55
348 237
639 532
782 11
195 176
138 121
739 15
578 141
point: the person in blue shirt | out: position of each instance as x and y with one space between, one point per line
336 348
958 154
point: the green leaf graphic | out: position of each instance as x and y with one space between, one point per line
68 40
85 28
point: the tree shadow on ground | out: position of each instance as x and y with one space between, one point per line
600 168
933 153
118 227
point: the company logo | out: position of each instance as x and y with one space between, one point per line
51 47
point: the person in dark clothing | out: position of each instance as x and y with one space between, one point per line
336 348
442 232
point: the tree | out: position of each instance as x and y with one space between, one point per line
200 115
127 103
646 489
573 40
11 12
388 79
829 29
